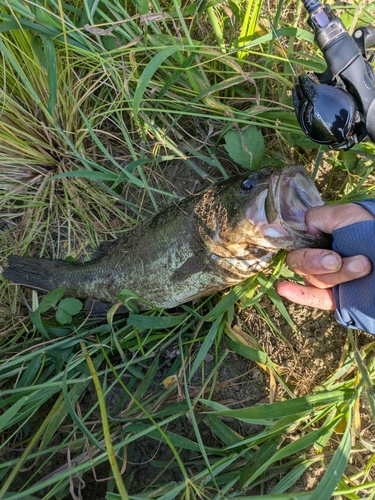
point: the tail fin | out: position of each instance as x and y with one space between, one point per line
38 274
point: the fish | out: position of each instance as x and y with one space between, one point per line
198 246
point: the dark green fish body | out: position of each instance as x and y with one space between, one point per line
201 245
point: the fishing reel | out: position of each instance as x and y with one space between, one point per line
337 107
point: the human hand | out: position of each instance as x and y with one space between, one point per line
323 269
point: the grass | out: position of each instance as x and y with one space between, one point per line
100 103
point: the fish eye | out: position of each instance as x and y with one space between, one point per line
247 184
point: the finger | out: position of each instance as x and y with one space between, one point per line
307 295
327 218
311 261
352 268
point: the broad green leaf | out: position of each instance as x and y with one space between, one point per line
51 299
302 141
63 317
70 305
245 147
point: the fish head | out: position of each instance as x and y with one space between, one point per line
264 209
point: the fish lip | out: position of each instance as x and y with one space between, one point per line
291 194
278 213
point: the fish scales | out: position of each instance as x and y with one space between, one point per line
198 246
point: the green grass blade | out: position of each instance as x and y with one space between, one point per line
336 466
51 62
148 73
214 331
289 450
290 479
284 408
106 429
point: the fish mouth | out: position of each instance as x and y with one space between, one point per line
281 208
291 195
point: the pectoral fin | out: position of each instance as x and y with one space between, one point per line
191 266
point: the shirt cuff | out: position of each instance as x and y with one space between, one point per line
355 300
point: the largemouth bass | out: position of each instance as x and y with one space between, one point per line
200 245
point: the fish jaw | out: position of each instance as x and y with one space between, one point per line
278 213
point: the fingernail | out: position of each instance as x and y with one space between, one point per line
330 263
356 265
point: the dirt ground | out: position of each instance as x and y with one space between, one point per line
307 357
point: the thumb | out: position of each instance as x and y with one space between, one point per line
327 218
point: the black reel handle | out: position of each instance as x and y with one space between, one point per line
337 107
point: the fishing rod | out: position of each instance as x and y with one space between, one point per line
337 107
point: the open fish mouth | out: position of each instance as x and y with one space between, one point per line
292 194
279 211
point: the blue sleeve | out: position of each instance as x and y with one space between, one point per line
355 300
